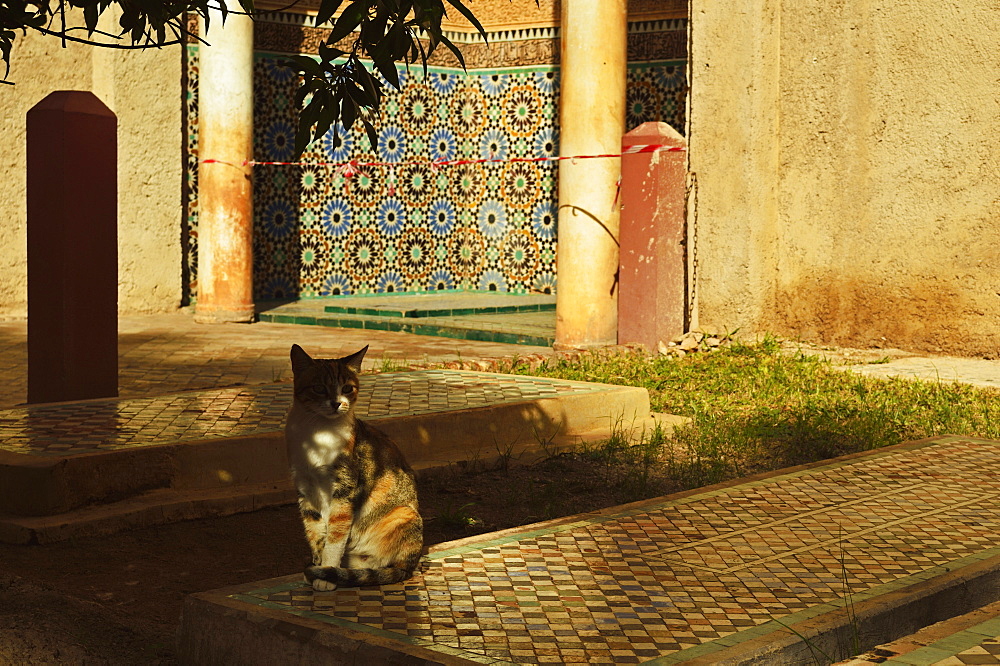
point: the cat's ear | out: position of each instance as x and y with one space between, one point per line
354 360
300 359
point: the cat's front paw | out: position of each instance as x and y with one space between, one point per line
323 585
318 584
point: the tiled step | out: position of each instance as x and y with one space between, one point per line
519 328
441 307
803 565
154 507
524 319
971 638
86 467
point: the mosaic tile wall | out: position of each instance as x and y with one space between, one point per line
408 227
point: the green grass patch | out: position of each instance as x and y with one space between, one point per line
755 408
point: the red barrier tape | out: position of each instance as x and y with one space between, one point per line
354 166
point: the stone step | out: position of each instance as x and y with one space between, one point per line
170 505
970 638
98 466
154 507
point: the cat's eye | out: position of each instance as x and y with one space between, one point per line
349 389
319 389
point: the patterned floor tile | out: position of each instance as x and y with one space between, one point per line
658 580
114 424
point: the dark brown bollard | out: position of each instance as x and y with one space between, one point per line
72 248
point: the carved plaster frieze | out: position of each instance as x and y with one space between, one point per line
648 41
504 15
501 15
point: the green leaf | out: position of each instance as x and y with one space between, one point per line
317 108
398 41
324 123
370 131
348 112
311 113
302 138
453 49
374 31
328 53
90 16
5 45
361 96
304 64
468 15
327 8
348 21
370 85
387 68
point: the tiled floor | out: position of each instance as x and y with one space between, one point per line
687 577
104 425
166 353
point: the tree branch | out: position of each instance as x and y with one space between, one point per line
64 36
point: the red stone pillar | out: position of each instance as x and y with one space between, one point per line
652 270
72 190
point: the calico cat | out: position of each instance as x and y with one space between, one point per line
357 494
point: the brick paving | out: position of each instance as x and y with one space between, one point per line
978 372
165 353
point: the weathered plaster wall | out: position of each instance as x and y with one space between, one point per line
148 99
144 91
884 198
733 156
30 57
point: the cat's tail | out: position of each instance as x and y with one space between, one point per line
342 577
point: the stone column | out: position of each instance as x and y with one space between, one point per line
591 121
225 201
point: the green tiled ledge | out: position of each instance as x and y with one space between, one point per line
447 312
951 646
399 323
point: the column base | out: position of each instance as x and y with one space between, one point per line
581 346
220 316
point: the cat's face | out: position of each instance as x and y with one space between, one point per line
327 387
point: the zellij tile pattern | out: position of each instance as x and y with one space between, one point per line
106 425
408 226
670 576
